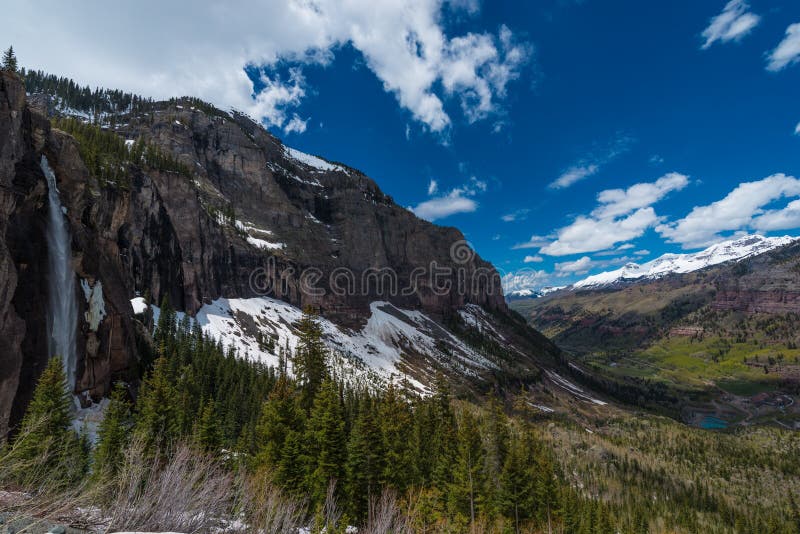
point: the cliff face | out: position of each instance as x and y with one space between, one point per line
306 213
253 218
769 283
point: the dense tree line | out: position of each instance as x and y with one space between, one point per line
458 466
109 158
92 102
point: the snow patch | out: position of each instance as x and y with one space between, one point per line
96 309
571 388
88 419
266 245
319 164
377 352
139 305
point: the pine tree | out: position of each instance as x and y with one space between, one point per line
10 60
396 425
496 445
365 460
310 359
113 434
44 435
443 437
517 486
280 416
157 421
326 441
468 473
207 434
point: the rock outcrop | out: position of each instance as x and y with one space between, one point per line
251 217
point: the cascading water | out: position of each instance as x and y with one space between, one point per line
62 317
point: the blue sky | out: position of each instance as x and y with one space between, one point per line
621 88
578 134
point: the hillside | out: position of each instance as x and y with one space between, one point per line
179 201
717 340
280 365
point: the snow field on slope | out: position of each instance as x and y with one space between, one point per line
373 352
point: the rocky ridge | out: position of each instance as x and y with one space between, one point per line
255 219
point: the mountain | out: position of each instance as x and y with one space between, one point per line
182 201
732 250
696 343
526 285
531 293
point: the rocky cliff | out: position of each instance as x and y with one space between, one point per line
246 217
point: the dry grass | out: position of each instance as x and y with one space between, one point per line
188 492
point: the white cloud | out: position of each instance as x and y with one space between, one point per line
787 52
742 208
797 129
587 234
626 246
450 204
616 202
732 24
533 259
779 219
579 266
590 165
201 48
457 200
536 241
643 252
295 125
622 215
574 175
433 187
518 215
525 278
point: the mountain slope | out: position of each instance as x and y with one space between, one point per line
699 343
183 201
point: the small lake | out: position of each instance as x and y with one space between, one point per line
709 422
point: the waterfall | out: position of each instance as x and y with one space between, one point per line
62 316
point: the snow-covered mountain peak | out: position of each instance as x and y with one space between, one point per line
732 250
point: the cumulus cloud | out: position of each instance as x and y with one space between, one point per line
787 52
295 125
732 24
457 200
518 215
201 49
780 219
621 215
615 202
441 207
741 209
591 164
579 266
587 234
433 187
533 259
